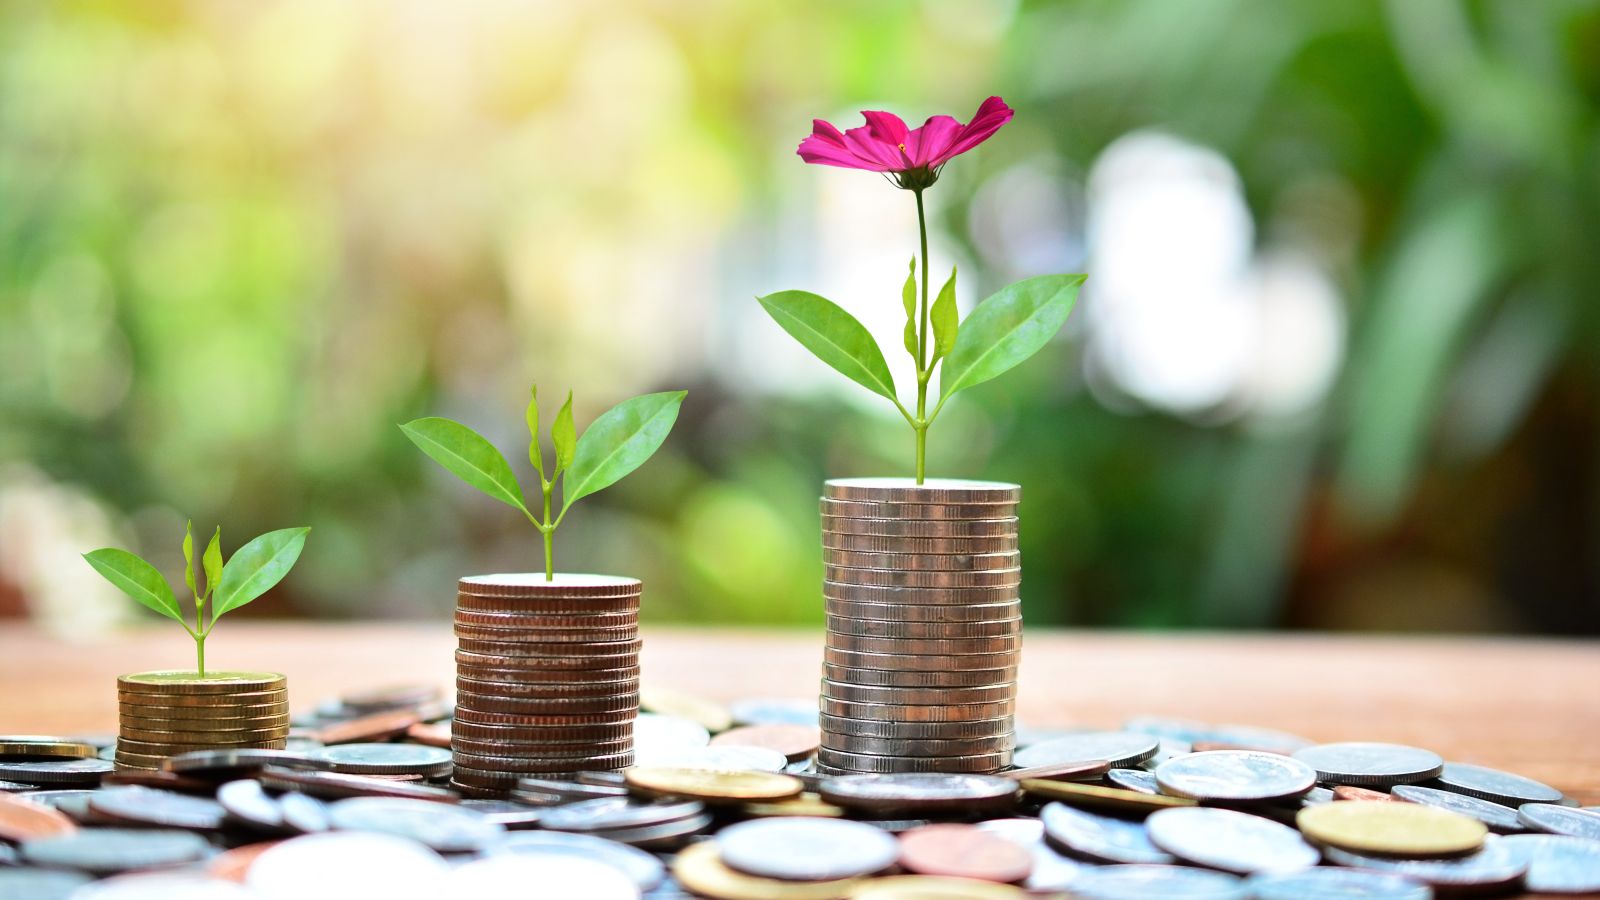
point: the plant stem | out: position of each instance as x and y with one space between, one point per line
921 424
548 529
200 634
200 653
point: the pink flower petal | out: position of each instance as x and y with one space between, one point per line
930 141
991 115
826 146
885 127
870 149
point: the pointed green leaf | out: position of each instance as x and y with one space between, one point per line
256 567
468 456
834 336
136 578
535 454
908 296
188 556
620 441
1007 328
945 320
565 436
213 561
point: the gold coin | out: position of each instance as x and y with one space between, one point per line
804 805
139 699
711 785
708 714
934 887
47 747
1391 829
180 682
699 869
1100 797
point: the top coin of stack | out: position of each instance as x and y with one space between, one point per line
547 677
163 714
924 625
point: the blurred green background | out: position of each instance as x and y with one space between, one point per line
1337 365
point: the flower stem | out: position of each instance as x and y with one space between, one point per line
921 424
548 529
200 635
200 653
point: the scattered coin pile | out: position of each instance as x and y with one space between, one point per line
1133 813
163 714
547 677
924 625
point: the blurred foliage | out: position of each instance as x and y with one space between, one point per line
239 242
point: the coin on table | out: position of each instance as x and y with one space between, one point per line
246 802
164 886
1501 819
724 758
40 884
375 727
105 851
774 711
1495 786
1392 829
1136 882
1231 841
337 785
1100 838
1360 794
1327 883
642 868
712 786
613 813
708 714
1555 819
558 878
793 742
653 731
1492 867
807 804
71 802
1051 870
168 809
68 771
445 828
935 887
181 682
907 792
805 849
1235 776
1557 863
22 819
1119 748
386 759
348 864
956 850
1068 771
1094 796
699 868
1141 780
232 763
39 747
1371 764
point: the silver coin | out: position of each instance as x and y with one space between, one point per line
903 747
1120 748
1134 780
567 877
939 631
74 802
928 490
1240 776
1492 867
864 763
644 869
63 771
982 607
997 727
1141 882
1327 883
1370 764
891 576
909 791
806 849
39 884
1005 560
915 512
507 814
164 886
347 864
977 646
560 791
386 759
1001 666
723 758
248 804
657 733
1100 838
898 677
1228 840
770 711
304 813
950 529
613 813
1557 863
148 806
104 851
934 546
1052 872
1317 796
1502 819
1560 820
1495 786
911 696
444 827
232 763
966 712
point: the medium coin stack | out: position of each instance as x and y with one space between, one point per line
164 714
924 624
547 677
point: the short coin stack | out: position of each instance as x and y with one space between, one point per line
924 625
547 677
163 714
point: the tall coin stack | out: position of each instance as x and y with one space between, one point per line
924 624
163 714
547 677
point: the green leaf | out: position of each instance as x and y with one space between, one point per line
908 296
565 436
1008 328
188 556
620 441
213 561
945 319
535 454
136 578
834 336
468 455
256 567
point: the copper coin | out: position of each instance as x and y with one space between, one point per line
546 689
555 734
23 820
514 748
1351 792
793 741
374 727
882 543
1005 560
484 763
880 677
977 646
886 713
1002 526
854 591
964 851
915 512
558 655
1205 746
620 702
501 674
866 693
558 641
1002 663
500 621
430 734
564 664
471 715
1069 771
897 576
547 606
232 865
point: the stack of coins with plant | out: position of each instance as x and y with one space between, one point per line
165 713
547 664
922 577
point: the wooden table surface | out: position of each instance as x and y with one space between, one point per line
1529 706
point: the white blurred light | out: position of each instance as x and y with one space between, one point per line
1302 337
1027 220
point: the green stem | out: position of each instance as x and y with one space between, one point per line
200 653
921 424
548 529
200 635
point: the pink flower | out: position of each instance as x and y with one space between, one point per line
914 156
